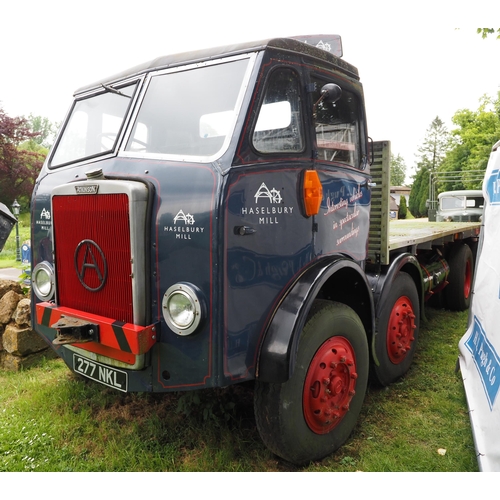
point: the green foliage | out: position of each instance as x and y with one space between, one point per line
413 201
403 209
473 138
431 153
486 32
458 159
424 194
398 170
19 163
45 130
419 193
436 144
348 462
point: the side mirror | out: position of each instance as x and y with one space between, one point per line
330 92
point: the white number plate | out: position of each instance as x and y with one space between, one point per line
117 379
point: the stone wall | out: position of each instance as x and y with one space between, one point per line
20 346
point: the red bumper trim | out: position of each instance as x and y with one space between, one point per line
114 336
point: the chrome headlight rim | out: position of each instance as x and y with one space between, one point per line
190 293
44 290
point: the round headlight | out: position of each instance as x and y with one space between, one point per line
182 308
42 280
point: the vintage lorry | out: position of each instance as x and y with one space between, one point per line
222 216
465 205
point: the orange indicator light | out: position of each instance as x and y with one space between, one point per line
313 192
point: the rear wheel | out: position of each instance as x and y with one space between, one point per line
313 413
397 330
458 292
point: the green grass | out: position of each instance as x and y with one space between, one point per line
51 420
8 254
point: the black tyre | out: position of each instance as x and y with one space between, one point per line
458 291
313 413
397 331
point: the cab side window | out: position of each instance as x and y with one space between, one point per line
337 128
279 124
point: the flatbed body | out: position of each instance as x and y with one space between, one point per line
422 234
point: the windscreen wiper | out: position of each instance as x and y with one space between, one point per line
114 91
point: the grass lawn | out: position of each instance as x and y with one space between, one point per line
52 420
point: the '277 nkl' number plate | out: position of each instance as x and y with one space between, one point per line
103 374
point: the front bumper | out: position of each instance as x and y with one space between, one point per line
117 343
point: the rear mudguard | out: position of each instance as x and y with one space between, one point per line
333 278
381 282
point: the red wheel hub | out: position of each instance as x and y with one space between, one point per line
400 330
329 385
467 280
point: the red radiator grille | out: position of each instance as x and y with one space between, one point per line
90 233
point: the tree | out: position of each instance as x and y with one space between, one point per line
474 136
436 144
403 209
431 153
485 32
44 129
398 170
19 166
414 200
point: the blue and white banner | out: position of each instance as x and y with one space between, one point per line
480 346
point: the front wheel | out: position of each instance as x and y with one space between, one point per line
313 413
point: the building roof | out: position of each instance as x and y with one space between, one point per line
400 189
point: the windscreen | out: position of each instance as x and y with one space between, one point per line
190 112
94 125
452 202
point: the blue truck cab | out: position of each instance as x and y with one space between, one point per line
203 220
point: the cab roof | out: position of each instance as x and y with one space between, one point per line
461 192
284 44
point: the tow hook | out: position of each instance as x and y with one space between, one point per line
75 331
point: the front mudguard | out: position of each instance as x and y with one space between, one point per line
279 348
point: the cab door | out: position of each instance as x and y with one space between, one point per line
268 240
339 138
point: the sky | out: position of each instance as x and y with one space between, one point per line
417 60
